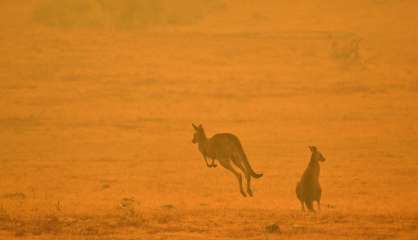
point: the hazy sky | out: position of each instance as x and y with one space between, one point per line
217 15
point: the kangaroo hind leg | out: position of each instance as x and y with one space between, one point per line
302 204
235 159
250 192
226 164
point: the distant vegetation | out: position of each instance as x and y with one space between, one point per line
122 13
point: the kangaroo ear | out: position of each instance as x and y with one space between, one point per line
195 127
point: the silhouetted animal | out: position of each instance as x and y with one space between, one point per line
225 148
308 188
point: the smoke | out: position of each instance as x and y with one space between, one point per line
138 14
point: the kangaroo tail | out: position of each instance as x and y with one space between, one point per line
246 163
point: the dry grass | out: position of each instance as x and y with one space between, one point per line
217 223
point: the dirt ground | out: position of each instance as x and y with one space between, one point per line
95 119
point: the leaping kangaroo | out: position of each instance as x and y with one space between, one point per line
226 148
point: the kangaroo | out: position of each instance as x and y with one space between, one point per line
308 188
226 148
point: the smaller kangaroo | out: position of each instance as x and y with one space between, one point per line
308 188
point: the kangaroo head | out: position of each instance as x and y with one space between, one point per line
316 155
199 134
